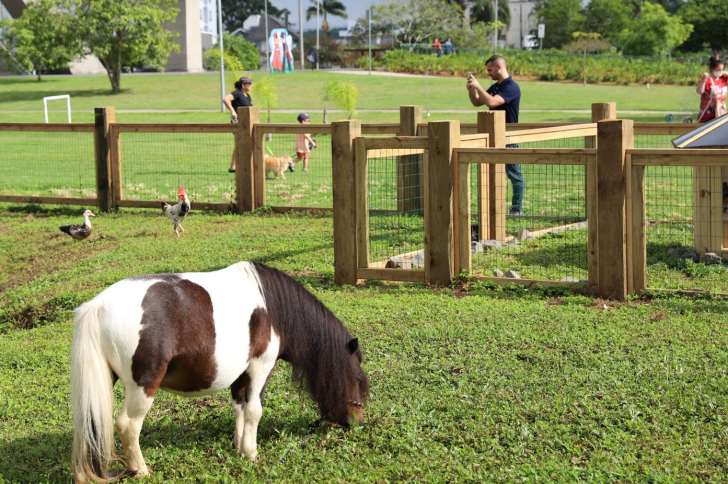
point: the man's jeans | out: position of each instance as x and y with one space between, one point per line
513 172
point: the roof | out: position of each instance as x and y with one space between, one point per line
709 135
253 29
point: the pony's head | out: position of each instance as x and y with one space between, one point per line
357 389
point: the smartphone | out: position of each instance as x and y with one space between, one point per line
470 75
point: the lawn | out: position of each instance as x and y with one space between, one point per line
470 383
21 97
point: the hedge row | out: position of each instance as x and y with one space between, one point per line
612 69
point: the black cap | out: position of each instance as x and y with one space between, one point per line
303 116
246 80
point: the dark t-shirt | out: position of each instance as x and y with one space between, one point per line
511 94
240 100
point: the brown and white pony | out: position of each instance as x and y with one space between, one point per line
194 334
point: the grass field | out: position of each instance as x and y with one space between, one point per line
21 97
470 383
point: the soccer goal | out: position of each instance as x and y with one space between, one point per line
52 98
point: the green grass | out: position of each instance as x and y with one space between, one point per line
472 383
21 97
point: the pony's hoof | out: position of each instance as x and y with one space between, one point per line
252 455
140 473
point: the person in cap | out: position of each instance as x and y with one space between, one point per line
304 143
240 97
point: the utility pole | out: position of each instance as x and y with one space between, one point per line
300 32
369 16
222 61
317 33
267 54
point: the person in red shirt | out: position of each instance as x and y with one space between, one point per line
712 89
437 47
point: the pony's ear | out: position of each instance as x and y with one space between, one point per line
352 345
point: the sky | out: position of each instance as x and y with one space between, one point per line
354 9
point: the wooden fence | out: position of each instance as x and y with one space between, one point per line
614 172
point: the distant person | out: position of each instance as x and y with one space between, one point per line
712 89
503 95
240 97
448 47
304 143
437 47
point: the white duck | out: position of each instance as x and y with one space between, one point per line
80 232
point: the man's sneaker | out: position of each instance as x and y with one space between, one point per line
305 169
515 213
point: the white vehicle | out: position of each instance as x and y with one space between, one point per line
529 42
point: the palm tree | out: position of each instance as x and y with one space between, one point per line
327 7
264 95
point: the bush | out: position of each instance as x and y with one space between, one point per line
554 66
246 52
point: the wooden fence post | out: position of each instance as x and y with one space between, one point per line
409 168
343 134
492 180
103 117
613 139
600 112
442 136
248 117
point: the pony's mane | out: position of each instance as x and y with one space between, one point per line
313 341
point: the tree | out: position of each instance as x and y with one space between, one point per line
654 32
235 12
416 21
125 33
586 42
327 7
42 38
607 18
345 96
483 11
264 93
562 18
706 16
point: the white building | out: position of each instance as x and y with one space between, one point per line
523 20
208 23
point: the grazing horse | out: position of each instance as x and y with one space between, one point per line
194 334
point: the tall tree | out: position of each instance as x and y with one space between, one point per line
607 18
127 33
706 16
654 32
484 11
43 38
325 8
417 21
235 12
562 18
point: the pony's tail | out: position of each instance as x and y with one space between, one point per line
92 399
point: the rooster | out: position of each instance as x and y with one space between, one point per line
79 232
178 212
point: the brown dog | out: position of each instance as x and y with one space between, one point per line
277 166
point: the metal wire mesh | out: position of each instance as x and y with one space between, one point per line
310 184
683 223
549 241
679 223
47 164
396 211
155 165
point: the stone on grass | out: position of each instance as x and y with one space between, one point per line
512 274
407 261
497 273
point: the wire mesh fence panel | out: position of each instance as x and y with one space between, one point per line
396 211
52 164
155 165
654 141
682 225
308 183
549 239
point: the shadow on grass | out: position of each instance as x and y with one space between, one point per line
45 457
